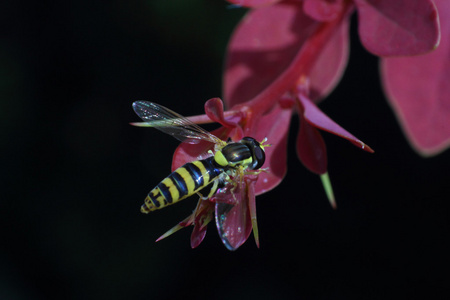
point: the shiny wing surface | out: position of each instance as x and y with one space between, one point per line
172 123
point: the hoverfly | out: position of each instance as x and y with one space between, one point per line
223 170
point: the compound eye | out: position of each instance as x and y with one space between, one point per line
259 157
258 154
249 140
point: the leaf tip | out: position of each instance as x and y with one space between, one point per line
328 189
363 146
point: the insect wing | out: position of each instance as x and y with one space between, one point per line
232 215
172 123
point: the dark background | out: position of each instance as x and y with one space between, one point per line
74 172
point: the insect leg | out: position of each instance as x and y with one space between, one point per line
211 188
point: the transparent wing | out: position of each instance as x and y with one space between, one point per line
172 123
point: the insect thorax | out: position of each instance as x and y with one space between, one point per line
247 153
237 154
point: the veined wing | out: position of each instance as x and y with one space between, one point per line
172 123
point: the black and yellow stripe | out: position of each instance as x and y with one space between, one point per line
182 183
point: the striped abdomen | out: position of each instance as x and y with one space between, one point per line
182 183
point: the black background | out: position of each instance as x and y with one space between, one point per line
74 172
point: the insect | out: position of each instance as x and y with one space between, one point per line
225 168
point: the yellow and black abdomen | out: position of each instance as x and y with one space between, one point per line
182 183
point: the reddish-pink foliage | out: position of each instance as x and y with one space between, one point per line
274 45
288 55
419 91
401 27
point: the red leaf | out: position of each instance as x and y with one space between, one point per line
330 64
400 27
203 215
419 91
323 10
316 117
197 236
262 47
253 3
274 126
214 110
311 149
252 210
233 221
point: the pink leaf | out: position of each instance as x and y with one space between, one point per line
233 221
323 10
330 64
197 236
186 222
203 215
418 89
214 110
253 3
400 27
252 209
316 117
311 149
262 47
274 126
